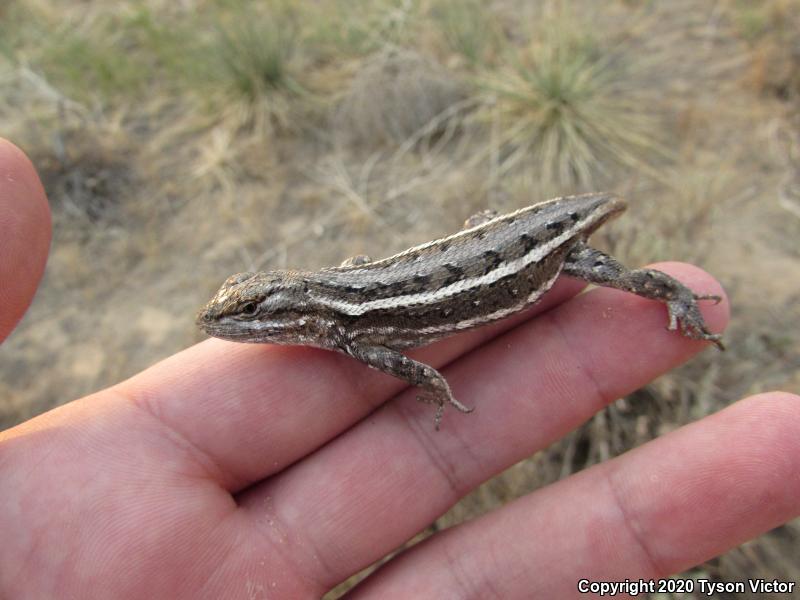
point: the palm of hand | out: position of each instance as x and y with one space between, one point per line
251 471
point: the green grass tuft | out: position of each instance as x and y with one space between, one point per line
468 28
569 108
255 55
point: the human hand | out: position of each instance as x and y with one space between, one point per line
233 470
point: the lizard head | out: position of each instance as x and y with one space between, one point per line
255 307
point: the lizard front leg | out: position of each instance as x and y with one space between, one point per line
584 262
414 372
480 218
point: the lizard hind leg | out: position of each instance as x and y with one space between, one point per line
584 262
480 218
434 386
355 261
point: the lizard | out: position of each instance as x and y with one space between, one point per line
494 267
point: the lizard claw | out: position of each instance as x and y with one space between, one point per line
440 404
714 297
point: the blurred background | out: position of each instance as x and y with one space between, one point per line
182 141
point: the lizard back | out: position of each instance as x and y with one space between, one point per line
475 276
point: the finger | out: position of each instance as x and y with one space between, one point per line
25 234
253 409
658 510
394 474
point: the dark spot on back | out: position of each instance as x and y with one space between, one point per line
422 279
381 290
491 256
492 260
529 242
453 269
574 216
454 273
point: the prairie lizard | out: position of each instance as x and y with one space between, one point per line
498 265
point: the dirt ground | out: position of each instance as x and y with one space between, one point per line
160 187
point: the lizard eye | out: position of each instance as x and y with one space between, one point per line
249 309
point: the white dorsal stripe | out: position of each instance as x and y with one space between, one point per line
432 296
479 320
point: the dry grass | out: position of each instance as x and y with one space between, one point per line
395 95
469 29
258 63
570 108
179 144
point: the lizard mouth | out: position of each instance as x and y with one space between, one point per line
217 327
213 328
206 321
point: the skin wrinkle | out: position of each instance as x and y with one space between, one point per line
478 586
459 573
419 428
630 523
271 527
230 553
272 537
140 401
602 397
487 584
209 583
29 561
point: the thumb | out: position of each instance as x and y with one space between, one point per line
24 234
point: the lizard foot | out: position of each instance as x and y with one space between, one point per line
441 400
685 315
